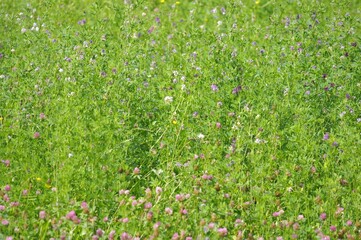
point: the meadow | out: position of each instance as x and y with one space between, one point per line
138 119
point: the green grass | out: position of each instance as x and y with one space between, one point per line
242 117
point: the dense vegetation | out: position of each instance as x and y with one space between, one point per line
179 120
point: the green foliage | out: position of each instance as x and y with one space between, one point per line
203 119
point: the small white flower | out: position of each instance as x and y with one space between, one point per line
200 136
168 99
61 70
259 141
23 30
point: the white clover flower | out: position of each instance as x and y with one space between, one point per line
168 99
200 136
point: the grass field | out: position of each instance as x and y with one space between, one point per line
180 119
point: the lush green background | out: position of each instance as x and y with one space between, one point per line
93 77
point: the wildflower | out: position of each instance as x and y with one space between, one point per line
7 188
111 235
236 90
184 212
214 88
149 216
36 135
169 211
6 162
175 235
125 236
148 205
349 223
42 214
326 136
136 171
70 215
222 231
14 204
84 206
332 228
323 216
276 214
200 136
99 232
2 208
158 190
168 99
4 222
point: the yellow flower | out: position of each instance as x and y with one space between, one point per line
47 185
257 2
38 179
162 1
1 118
177 2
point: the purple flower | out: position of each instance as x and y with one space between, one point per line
99 232
14 204
237 89
184 212
222 231
4 222
326 136
349 223
125 236
84 206
42 214
7 188
323 216
6 162
151 29
36 135
111 235
169 211
148 205
136 171
158 190
333 228
70 215
276 214
82 22
175 236
214 88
